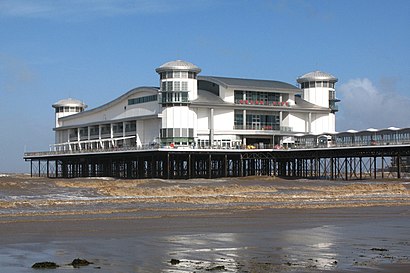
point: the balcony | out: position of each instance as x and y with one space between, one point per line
333 106
263 103
264 128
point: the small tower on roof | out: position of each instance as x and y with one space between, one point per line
67 107
178 87
319 88
179 78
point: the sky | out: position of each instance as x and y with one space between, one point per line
96 50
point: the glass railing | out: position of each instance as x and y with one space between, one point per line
263 127
262 102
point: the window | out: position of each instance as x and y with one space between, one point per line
177 86
262 121
169 86
177 74
332 95
238 120
318 84
238 96
191 75
255 97
184 86
143 99
311 84
184 74
131 126
325 84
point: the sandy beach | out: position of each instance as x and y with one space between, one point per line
228 225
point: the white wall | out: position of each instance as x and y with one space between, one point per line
203 118
298 122
178 117
148 130
227 94
320 123
223 119
317 95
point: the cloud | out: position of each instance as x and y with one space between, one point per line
58 9
365 105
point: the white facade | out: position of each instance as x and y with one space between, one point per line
201 111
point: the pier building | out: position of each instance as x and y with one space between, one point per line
189 110
193 126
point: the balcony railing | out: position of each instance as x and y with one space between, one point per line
263 127
263 103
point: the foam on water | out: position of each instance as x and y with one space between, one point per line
24 195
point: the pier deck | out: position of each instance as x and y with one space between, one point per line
345 163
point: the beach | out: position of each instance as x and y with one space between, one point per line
253 224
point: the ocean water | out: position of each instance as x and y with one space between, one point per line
21 195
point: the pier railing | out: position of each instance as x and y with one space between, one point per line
241 147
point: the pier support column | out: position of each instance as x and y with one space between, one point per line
209 166
398 166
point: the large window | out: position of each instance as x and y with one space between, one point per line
256 97
257 121
143 99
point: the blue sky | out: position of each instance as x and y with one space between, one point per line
97 50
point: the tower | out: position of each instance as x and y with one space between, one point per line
319 89
178 87
66 107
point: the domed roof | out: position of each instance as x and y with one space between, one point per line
315 76
70 102
178 65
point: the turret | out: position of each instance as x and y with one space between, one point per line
178 87
67 107
319 88
178 82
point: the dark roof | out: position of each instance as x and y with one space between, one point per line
305 104
249 83
206 97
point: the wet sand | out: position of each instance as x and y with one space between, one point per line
221 226
370 239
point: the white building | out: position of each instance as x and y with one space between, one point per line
201 111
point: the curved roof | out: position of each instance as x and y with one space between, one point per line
69 102
178 65
153 90
249 83
317 75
